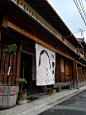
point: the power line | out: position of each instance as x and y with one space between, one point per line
77 5
80 11
82 7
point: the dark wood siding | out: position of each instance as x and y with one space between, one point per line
5 62
57 70
68 71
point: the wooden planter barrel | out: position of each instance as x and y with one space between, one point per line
8 96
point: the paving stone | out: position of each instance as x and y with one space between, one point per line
43 99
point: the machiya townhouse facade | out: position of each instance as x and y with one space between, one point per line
52 55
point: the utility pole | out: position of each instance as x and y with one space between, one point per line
81 30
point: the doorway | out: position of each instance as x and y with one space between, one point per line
68 72
26 69
29 73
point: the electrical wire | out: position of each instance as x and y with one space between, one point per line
80 11
82 7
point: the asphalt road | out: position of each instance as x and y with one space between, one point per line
75 105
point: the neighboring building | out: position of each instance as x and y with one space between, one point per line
45 45
81 68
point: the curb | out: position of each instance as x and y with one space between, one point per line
40 103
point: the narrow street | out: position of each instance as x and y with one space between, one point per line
42 60
75 105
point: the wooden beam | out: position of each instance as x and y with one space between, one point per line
68 36
28 35
80 63
5 18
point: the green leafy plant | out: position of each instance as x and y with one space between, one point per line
22 80
22 93
10 49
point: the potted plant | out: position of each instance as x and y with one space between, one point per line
22 93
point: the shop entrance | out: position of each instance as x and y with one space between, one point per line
29 72
26 69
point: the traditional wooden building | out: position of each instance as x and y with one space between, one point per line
34 26
81 67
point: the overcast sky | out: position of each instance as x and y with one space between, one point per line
69 13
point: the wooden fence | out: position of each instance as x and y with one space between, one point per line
81 77
5 63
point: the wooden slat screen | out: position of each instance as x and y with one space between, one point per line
81 77
79 70
5 62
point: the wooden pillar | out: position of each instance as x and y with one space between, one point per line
0 45
3 23
18 62
5 18
75 70
31 75
0 56
58 70
65 70
75 73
